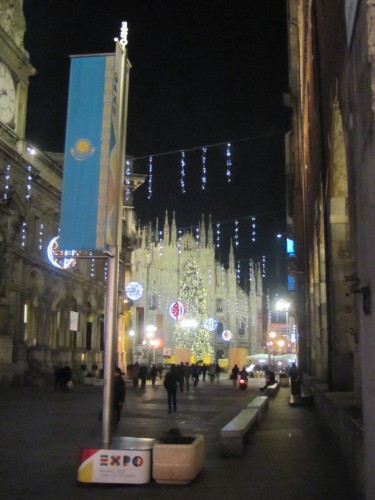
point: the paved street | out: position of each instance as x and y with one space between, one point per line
288 458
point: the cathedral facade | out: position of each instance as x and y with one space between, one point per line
157 263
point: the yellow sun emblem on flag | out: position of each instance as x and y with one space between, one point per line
82 149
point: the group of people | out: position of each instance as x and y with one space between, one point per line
236 373
179 376
140 372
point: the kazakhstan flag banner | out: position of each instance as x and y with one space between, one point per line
88 139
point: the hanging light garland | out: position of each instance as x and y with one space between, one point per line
218 235
238 272
183 164
149 178
236 242
127 181
23 234
7 182
229 162
263 266
40 239
204 169
253 229
28 183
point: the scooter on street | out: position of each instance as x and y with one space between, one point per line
243 383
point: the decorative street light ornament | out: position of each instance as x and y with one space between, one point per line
134 290
210 324
63 259
227 335
177 310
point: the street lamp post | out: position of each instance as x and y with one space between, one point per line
132 335
270 345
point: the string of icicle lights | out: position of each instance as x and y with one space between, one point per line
204 151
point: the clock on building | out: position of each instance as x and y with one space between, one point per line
7 95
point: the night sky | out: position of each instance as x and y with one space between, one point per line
204 73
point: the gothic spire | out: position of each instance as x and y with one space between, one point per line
166 230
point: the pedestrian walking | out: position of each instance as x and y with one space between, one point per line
143 372
195 374
135 374
153 374
181 377
234 375
187 375
217 372
119 391
170 383
212 371
59 380
66 376
204 371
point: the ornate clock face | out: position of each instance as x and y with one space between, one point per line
7 95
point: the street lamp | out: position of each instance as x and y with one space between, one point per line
283 305
270 343
150 334
132 335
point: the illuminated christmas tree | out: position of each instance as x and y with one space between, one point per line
193 295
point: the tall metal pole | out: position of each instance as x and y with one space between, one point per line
122 75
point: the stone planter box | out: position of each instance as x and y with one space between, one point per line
284 380
178 463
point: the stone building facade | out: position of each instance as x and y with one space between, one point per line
157 265
331 201
51 312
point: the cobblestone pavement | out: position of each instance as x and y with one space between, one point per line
288 458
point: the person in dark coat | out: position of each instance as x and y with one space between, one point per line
119 391
270 379
153 374
143 372
66 377
181 376
187 374
234 375
170 383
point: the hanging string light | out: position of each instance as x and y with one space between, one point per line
40 239
236 242
28 183
253 229
197 238
263 266
238 272
127 181
92 267
23 234
182 181
218 235
149 178
7 182
204 169
229 162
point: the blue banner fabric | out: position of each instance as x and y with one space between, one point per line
87 154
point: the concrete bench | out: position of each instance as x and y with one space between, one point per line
260 403
234 434
271 390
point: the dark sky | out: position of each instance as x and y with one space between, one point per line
204 72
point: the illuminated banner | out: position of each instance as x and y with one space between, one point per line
88 145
